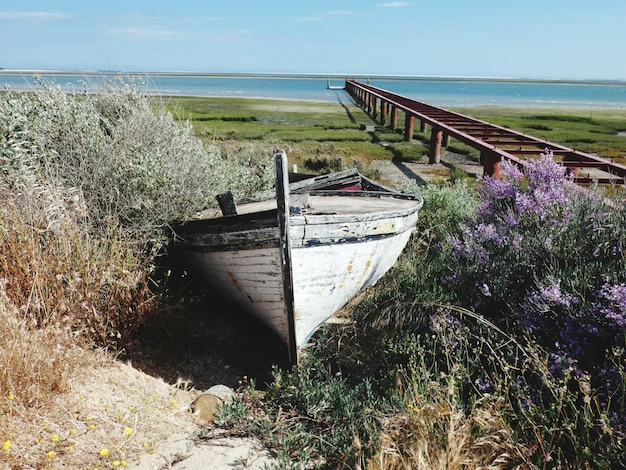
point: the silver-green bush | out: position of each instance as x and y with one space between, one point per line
117 153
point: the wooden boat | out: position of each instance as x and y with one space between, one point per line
296 259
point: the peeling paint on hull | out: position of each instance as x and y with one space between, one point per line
340 243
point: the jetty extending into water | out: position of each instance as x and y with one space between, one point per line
495 143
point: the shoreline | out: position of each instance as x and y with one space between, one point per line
318 93
504 106
312 75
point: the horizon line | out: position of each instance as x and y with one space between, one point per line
330 76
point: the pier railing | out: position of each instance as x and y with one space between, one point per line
495 143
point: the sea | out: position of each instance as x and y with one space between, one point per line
438 91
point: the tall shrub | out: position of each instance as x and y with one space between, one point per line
89 181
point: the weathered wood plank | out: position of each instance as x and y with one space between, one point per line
226 202
282 199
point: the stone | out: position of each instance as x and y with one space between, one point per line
205 405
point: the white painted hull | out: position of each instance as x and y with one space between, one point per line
326 278
333 258
296 264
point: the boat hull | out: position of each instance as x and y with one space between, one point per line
327 277
333 258
297 259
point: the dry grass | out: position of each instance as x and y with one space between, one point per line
61 292
88 182
441 437
58 274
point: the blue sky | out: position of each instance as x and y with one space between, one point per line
488 38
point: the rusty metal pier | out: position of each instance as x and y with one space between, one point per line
495 143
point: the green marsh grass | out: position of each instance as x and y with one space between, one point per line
301 126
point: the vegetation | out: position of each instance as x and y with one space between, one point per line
595 131
496 341
88 184
305 129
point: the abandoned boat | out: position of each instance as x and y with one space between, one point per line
296 259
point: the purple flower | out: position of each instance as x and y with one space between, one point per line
548 296
615 295
523 203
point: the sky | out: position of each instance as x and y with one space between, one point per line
567 39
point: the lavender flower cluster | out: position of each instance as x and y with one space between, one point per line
546 258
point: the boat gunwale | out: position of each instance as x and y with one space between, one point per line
266 218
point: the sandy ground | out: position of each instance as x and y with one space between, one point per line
182 453
206 344
165 433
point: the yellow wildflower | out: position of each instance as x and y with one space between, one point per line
104 452
91 427
6 445
127 431
55 438
116 463
123 463
11 396
51 454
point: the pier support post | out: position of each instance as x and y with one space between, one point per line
422 126
571 171
446 140
408 127
434 152
383 112
394 118
491 165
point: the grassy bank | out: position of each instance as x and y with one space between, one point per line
328 130
436 370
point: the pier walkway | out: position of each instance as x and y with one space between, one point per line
495 143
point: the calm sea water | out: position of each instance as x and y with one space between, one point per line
440 92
